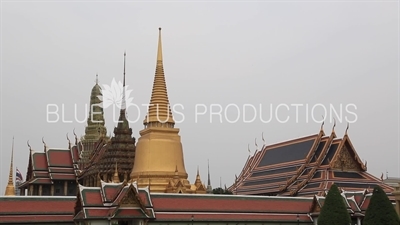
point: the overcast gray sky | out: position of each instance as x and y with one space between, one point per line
329 53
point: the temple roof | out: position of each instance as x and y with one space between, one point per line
36 209
305 166
120 149
52 164
125 200
113 200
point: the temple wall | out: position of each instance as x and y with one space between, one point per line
225 223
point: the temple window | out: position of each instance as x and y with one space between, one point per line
58 188
45 190
35 190
71 188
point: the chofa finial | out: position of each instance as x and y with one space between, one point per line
30 148
334 124
323 122
44 143
76 137
255 143
347 128
69 141
248 148
262 136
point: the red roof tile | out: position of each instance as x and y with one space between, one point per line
91 197
8 219
220 203
24 205
60 158
162 216
39 161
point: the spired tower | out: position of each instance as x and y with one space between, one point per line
10 189
159 161
113 160
95 124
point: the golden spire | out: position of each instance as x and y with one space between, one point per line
198 180
10 189
116 177
159 108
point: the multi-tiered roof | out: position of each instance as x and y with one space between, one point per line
304 167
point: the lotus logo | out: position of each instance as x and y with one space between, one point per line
113 95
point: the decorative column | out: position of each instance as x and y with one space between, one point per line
52 190
31 190
40 190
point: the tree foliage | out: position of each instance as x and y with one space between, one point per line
221 191
380 210
334 210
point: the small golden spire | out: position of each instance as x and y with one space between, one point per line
159 109
10 189
347 128
97 78
197 182
334 124
116 177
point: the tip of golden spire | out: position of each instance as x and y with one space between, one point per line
159 52
159 110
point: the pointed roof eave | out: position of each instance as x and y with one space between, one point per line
159 110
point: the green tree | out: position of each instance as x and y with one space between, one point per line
380 210
221 191
334 210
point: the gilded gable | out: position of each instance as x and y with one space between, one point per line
345 161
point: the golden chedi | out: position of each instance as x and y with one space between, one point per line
10 189
159 161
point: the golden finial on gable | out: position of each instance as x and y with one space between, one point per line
44 143
334 125
76 137
347 128
69 142
30 148
323 122
262 136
